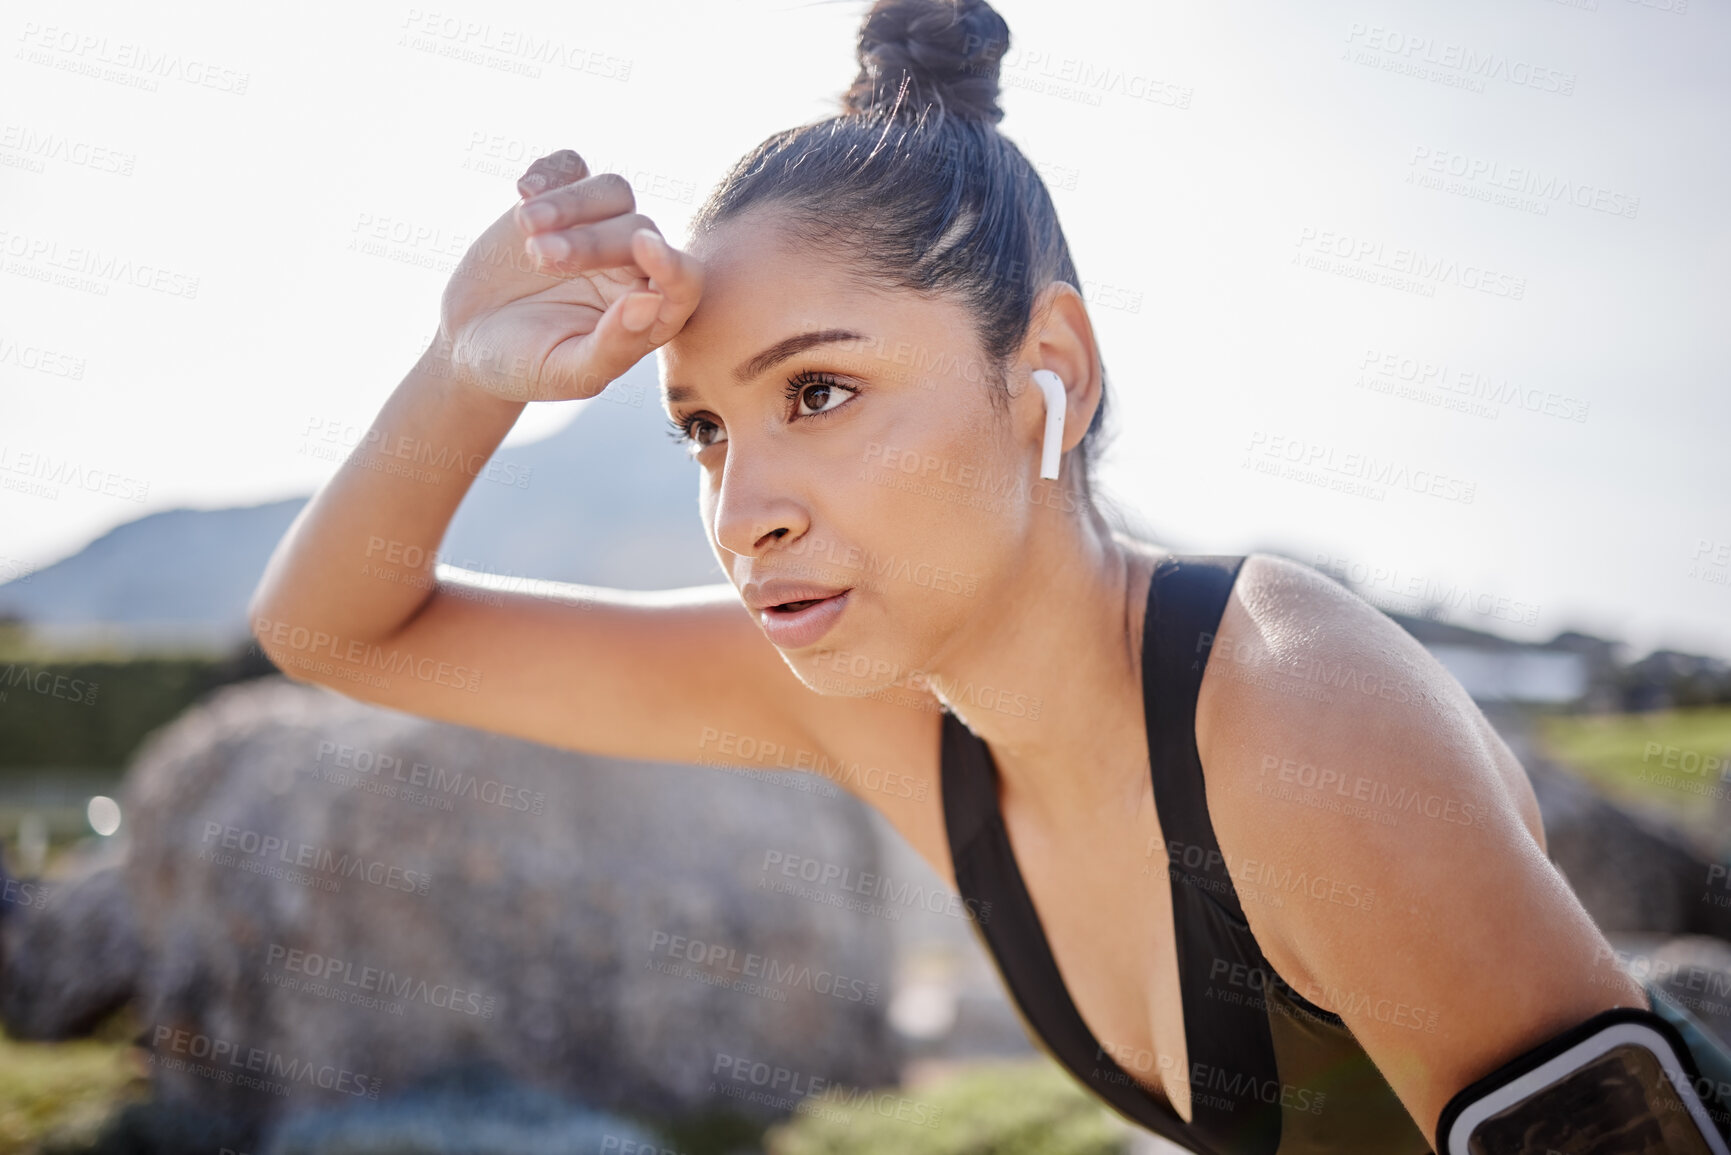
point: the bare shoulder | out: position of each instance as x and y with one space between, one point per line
1383 860
1308 645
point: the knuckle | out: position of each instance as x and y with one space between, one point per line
582 242
570 163
556 169
612 188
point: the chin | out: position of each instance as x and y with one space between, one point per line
838 672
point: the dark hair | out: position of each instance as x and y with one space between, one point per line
914 182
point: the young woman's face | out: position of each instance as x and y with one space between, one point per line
873 463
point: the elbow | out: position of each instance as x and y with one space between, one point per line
271 633
261 617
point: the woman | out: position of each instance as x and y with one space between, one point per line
1140 759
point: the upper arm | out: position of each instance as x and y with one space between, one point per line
679 675
1339 750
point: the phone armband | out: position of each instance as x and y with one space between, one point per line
1621 1082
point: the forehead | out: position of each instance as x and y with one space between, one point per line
761 285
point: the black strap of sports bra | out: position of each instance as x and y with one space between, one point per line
1233 1075
1186 600
1231 1051
987 873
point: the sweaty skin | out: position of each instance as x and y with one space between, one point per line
880 464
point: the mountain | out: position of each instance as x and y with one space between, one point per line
608 500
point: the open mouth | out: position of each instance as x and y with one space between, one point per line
800 623
795 607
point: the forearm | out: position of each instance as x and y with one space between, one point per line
384 512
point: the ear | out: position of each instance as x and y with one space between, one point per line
1060 338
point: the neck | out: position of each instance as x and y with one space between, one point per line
1048 673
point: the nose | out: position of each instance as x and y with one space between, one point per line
754 504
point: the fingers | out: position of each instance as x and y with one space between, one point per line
602 245
676 275
577 364
592 198
552 171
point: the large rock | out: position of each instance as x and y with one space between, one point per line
335 899
69 950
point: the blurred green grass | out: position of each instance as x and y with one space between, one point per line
1024 1107
56 1097
1676 763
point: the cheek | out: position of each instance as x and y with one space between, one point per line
939 513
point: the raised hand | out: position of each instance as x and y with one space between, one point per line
566 291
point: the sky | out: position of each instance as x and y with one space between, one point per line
1420 292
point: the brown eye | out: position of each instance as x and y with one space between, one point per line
818 389
820 392
687 433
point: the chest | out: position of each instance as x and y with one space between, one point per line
1104 901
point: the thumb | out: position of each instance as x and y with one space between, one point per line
583 366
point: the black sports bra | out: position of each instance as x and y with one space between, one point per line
1270 1072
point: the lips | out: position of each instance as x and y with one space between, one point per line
791 607
795 623
780 595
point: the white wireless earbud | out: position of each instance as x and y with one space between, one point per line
1052 387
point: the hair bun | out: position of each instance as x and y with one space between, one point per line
948 51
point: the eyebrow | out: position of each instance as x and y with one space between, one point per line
771 357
